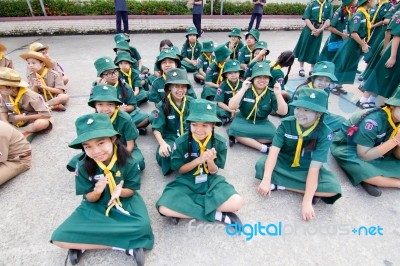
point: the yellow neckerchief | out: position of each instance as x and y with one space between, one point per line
45 92
388 111
234 50
114 115
15 103
300 141
221 69
377 11
110 178
208 58
164 76
192 47
367 18
321 9
258 98
277 67
251 52
1 55
180 112
128 75
232 88
202 148
348 11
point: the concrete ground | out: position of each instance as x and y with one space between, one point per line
36 202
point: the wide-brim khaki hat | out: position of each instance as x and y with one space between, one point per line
10 77
37 46
38 56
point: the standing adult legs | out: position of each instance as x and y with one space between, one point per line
259 17
125 21
197 22
118 20
253 17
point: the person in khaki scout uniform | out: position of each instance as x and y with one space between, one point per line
317 17
15 153
204 61
112 214
246 53
214 75
5 61
198 191
169 120
368 147
191 50
20 106
45 81
44 49
299 149
256 101
235 43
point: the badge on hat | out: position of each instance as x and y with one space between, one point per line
107 60
325 66
260 66
209 107
90 121
312 95
105 88
234 63
174 74
211 44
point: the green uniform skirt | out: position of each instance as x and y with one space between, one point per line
165 162
199 201
138 116
346 61
189 67
296 177
88 224
376 55
307 47
240 127
143 96
377 37
208 92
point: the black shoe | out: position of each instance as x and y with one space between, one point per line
232 141
361 77
315 200
74 256
302 73
138 254
142 131
371 189
232 216
226 121
175 220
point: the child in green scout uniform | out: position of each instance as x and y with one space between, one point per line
317 17
5 61
255 100
120 37
235 43
169 120
45 81
246 53
368 147
198 191
164 45
15 152
112 214
383 79
204 61
285 59
131 76
191 50
214 75
20 106
259 54
339 28
108 73
228 88
299 149
347 57
321 79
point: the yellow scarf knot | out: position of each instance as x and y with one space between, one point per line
367 18
232 88
258 98
221 69
46 93
296 161
202 148
128 75
321 9
377 11
180 112
15 103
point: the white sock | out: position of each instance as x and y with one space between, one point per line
273 186
281 188
371 99
264 148
363 99
218 217
301 68
120 249
130 251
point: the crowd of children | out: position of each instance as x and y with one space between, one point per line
241 88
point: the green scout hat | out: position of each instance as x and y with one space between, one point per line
121 37
261 69
255 33
122 45
92 126
175 49
361 2
191 31
236 32
124 56
313 99
395 99
168 54
104 63
103 93
346 2
176 76
221 53
208 47
232 66
324 69
201 110
261 45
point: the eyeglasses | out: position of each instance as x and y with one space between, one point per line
109 74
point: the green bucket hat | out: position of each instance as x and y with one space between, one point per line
121 37
313 99
395 99
261 69
122 45
103 93
324 69
255 33
208 47
168 54
236 32
124 56
91 126
176 76
361 2
261 45
191 31
104 63
221 53
346 2
175 49
201 110
232 66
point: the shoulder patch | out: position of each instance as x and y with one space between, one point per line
369 126
330 136
219 91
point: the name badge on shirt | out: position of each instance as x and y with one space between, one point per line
363 20
246 55
160 90
98 177
200 179
249 100
228 92
291 136
9 104
189 50
171 117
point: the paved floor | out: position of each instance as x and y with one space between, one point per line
35 203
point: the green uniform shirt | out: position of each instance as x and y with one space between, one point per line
313 9
235 52
224 92
186 51
392 10
157 92
136 81
358 23
381 13
339 21
394 25
244 55
212 73
124 125
203 62
266 104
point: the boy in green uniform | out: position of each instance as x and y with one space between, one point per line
191 50
204 61
246 53
235 43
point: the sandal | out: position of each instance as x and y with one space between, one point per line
302 73
361 105
338 90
